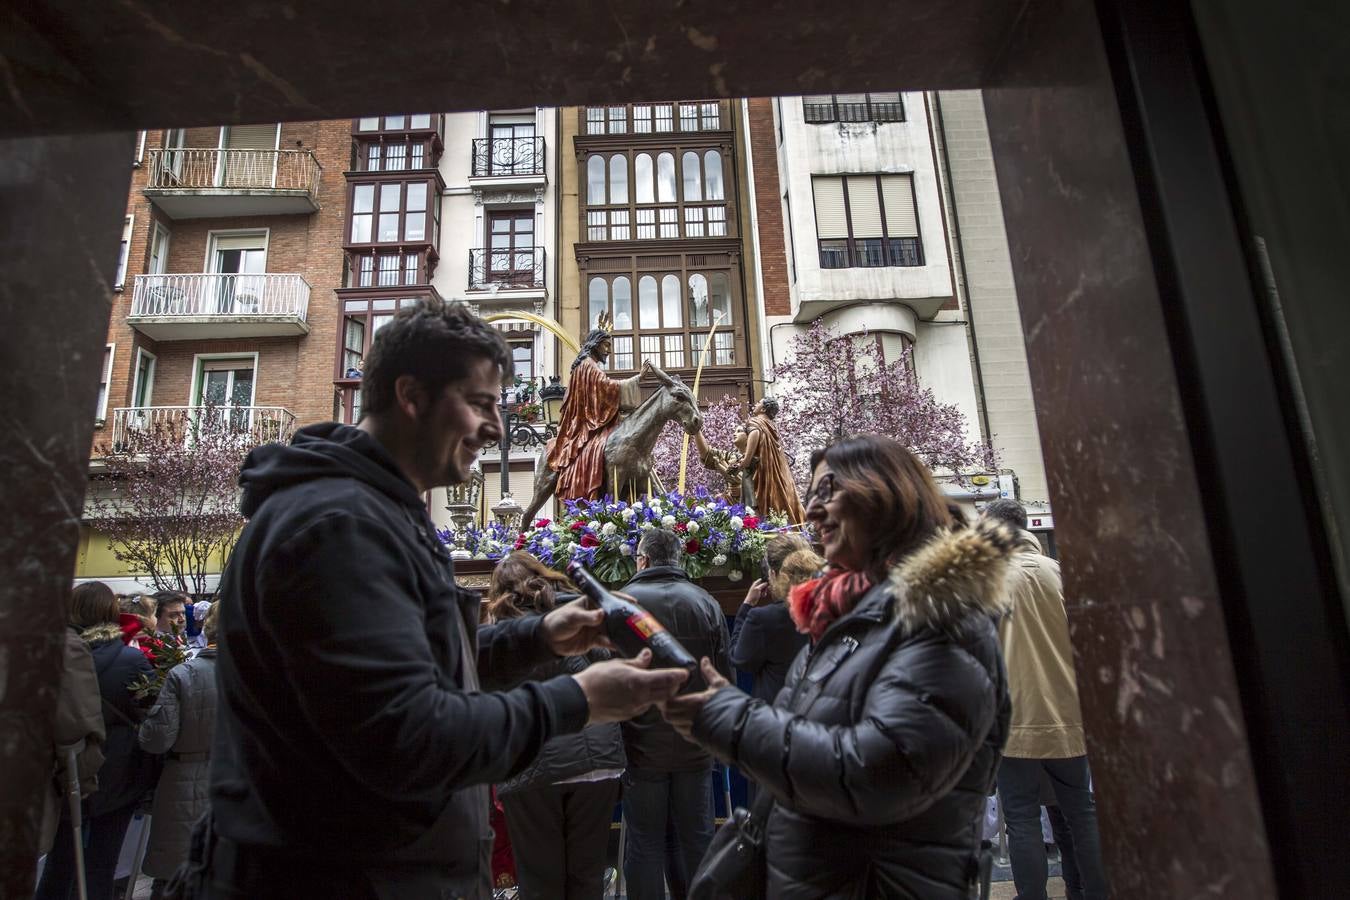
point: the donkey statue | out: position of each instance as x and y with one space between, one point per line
628 449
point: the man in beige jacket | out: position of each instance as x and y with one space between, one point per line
1045 740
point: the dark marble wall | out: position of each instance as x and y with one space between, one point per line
61 205
1177 800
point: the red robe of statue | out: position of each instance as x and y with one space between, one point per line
589 413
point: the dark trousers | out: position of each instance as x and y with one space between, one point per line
669 817
1019 791
1068 864
103 844
559 837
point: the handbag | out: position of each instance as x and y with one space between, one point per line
735 867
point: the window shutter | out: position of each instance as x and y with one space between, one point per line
901 219
851 98
864 207
251 137
830 219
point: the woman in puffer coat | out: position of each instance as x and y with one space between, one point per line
181 724
558 809
884 744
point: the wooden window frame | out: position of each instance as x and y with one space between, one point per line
431 226
601 215
374 305
513 276
892 248
709 115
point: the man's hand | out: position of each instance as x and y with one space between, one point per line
572 629
759 594
619 689
647 367
681 712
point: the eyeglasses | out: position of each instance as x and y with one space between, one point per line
824 491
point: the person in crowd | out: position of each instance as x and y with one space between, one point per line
126 774
139 624
881 749
354 749
171 615
667 800
181 724
197 612
79 714
559 808
1046 737
764 640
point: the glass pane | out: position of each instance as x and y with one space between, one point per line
717 221
712 168
418 151
524 230
646 224
373 157
693 221
623 353
618 224
214 387
834 254
711 116
599 301
595 120
693 178
371 123
651 348
595 180
618 178
720 299
723 352
648 310
395 157
642 119
665 178
618 120
623 303
674 351
698 300
363 198
415 228
393 123
670 225
422 121
361 228
596 221
389 194
664 116
644 178
417 197
670 301
379 305
870 252
388 227
688 117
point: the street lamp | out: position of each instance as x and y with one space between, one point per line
551 397
463 505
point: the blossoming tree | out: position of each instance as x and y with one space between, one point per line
719 425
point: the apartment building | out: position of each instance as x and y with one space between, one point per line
860 208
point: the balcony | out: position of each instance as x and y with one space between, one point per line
251 425
197 183
518 271
193 307
500 164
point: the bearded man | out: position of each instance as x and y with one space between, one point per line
775 491
590 411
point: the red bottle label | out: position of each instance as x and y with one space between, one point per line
644 624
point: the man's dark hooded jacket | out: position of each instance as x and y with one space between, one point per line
351 731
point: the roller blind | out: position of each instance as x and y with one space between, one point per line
251 137
830 219
864 207
901 219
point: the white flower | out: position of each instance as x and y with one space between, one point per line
593 525
735 575
749 510
719 560
668 521
701 511
628 515
736 523
647 525
546 541
654 504
693 527
608 529
554 526
625 550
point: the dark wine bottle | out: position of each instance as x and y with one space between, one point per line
633 628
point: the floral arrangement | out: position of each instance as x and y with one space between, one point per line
493 541
604 534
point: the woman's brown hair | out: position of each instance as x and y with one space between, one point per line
92 603
887 487
522 585
800 565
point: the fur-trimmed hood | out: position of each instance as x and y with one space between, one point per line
101 634
953 574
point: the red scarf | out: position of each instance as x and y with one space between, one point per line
815 604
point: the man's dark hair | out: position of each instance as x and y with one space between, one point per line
661 547
770 407
1005 509
436 343
164 598
596 337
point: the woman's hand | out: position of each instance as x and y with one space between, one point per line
759 593
681 712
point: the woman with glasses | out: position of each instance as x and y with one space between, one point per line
883 745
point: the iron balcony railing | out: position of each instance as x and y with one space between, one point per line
251 424
227 170
870 111
209 294
520 268
506 157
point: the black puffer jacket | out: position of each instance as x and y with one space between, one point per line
888 735
694 618
128 774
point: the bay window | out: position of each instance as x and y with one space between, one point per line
664 316
663 199
866 221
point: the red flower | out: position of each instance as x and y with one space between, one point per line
692 546
541 523
520 541
751 521
577 526
590 540
681 527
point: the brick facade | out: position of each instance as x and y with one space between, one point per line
773 260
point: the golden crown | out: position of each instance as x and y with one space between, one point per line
605 322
